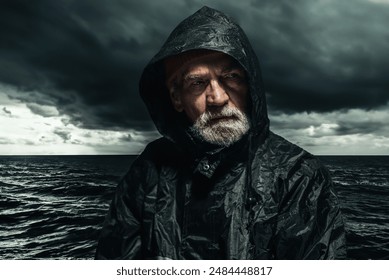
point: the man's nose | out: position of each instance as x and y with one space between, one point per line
216 94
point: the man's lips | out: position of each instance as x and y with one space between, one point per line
217 119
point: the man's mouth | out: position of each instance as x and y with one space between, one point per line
218 119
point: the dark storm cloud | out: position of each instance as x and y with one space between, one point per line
362 128
85 57
322 55
43 111
73 55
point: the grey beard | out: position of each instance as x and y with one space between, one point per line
223 132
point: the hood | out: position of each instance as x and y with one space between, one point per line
211 30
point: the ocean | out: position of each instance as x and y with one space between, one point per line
52 207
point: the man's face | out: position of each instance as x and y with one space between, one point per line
212 91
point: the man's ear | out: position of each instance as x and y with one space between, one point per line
175 97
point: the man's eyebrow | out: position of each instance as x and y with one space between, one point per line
187 76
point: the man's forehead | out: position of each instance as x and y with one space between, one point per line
218 61
176 66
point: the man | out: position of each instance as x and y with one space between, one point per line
218 184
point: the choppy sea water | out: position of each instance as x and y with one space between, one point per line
52 207
362 184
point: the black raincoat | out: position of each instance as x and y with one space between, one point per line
261 198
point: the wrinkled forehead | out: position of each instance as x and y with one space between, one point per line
189 61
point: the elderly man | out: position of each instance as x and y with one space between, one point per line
218 184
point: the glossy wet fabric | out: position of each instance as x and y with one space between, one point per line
261 198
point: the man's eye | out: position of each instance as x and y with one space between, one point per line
195 86
197 83
232 76
233 79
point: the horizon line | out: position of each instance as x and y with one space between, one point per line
26 155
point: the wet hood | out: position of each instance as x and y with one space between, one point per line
206 29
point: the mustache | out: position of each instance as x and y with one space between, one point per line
225 112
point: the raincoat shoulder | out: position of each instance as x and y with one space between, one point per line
301 210
132 204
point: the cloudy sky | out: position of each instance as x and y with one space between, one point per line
69 71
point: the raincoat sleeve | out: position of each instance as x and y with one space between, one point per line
120 237
310 224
